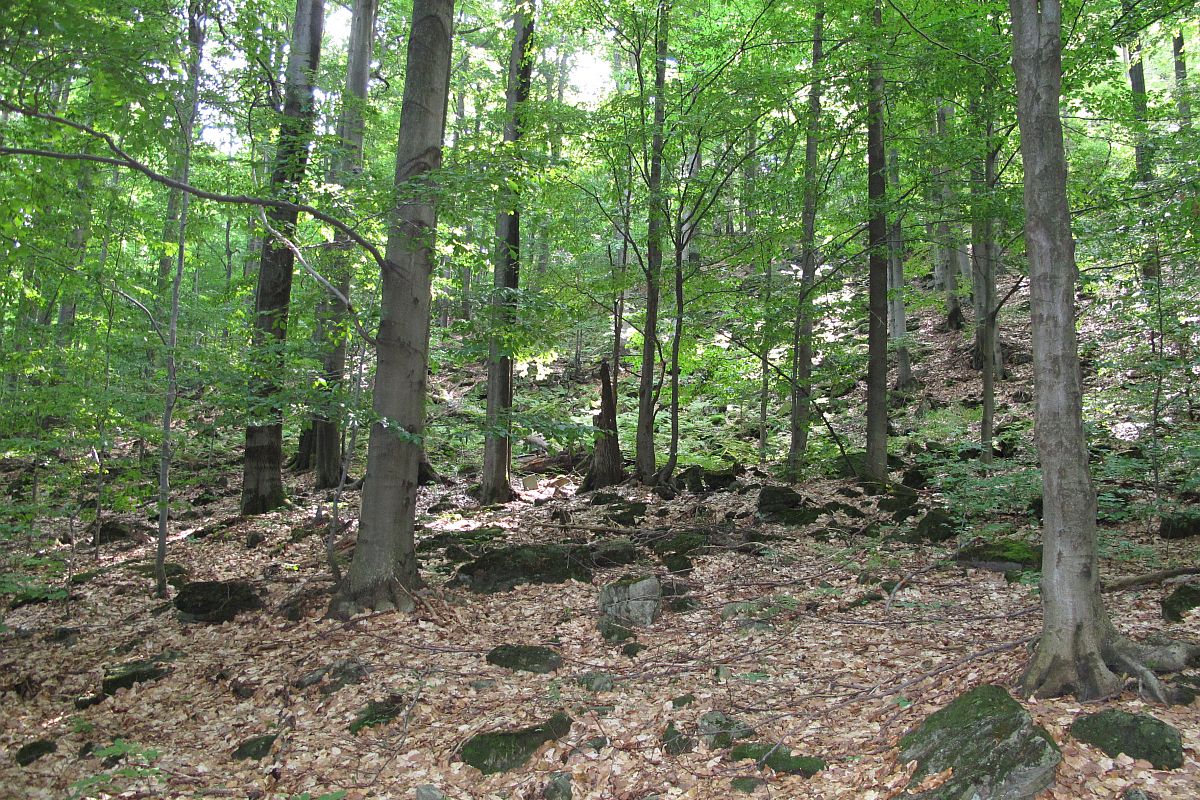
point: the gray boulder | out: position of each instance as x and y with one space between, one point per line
636 600
993 746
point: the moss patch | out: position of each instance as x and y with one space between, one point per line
525 658
255 748
777 757
501 751
1003 555
31 752
378 712
1181 601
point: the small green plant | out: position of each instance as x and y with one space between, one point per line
81 725
136 765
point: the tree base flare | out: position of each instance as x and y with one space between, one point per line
381 596
1099 673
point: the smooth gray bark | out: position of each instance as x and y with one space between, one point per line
384 570
876 460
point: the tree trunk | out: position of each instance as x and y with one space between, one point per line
1075 648
262 470
802 330
606 468
1182 101
331 312
647 391
196 35
495 485
384 570
950 247
897 330
983 250
876 461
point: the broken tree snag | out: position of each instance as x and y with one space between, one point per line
606 468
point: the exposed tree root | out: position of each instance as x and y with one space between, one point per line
384 595
1151 578
1097 673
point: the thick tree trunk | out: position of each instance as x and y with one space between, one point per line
262 470
495 486
606 468
384 570
647 392
897 330
876 461
1078 648
802 330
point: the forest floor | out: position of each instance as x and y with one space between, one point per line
798 659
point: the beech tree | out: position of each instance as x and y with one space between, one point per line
1079 651
262 471
383 573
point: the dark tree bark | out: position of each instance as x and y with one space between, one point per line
1182 101
983 253
802 330
495 485
262 470
384 570
606 468
951 248
644 457
876 461
1079 649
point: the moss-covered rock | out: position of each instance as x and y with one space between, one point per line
613 631
675 743
596 681
786 506
778 757
123 676
631 649
683 700
1002 555
558 787
378 712
936 526
32 751
625 514
525 658
1179 524
215 601
684 543
501 751
176 573
1135 735
1180 602
718 730
745 784
989 741
504 568
699 480
678 564
613 552
256 748
634 600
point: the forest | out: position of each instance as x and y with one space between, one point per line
599 399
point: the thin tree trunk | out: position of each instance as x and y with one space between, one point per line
897 329
647 393
262 470
495 485
605 468
983 249
802 330
950 247
1182 99
331 312
876 460
196 34
384 570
